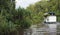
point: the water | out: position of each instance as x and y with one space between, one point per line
50 29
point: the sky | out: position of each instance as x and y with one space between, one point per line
25 3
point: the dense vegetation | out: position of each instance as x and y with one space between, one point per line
14 21
42 7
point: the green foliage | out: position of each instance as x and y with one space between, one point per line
22 18
11 19
5 26
44 6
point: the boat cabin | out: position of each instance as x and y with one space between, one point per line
50 18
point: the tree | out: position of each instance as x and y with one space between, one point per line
7 27
13 20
